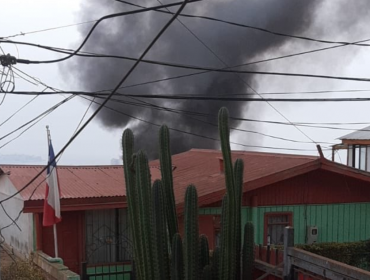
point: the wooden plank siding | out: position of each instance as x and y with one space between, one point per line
336 222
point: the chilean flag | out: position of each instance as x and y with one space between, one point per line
52 196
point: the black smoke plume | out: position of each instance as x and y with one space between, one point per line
233 45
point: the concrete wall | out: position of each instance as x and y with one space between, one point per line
20 240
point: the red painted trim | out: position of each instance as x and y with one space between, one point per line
78 204
81 236
269 214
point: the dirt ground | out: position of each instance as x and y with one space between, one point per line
5 259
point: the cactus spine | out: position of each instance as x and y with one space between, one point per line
177 262
167 180
248 251
191 236
162 270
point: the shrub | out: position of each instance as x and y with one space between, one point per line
352 253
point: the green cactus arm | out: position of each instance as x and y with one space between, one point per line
206 273
248 251
167 179
204 251
215 260
224 131
177 258
132 195
143 182
238 174
191 236
224 242
161 260
228 259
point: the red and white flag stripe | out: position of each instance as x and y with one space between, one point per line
52 196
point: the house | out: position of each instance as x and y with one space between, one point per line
322 199
357 146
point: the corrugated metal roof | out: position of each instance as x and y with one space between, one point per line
198 167
74 181
362 134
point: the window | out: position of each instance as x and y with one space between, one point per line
107 236
358 156
275 222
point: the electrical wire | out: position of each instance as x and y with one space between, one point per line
265 30
33 121
226 65
172 110
211 69
306 124
104 93
95 25
183 4
198 97
199 135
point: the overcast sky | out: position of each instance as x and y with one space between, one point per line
99 144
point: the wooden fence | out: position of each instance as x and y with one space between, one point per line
293 263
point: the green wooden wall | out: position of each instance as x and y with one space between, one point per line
336 222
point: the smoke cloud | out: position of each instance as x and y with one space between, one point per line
131 34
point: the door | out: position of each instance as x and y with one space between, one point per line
69 239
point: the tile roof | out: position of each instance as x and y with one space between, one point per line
198 167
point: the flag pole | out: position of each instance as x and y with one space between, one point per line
55 225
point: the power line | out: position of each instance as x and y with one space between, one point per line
171 110
199 97
183 4
96 24
210 69
34 121
104 93
199 135
265 30
306 124
238 76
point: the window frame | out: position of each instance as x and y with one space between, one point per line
267 215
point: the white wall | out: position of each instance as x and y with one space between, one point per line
19 239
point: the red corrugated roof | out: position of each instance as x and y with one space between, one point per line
198 167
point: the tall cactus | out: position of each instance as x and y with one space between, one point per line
177 259
145 208
248 251
154 224
229 254
167 179
215 263
206 273
132 196
238 174
191 236
162 270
